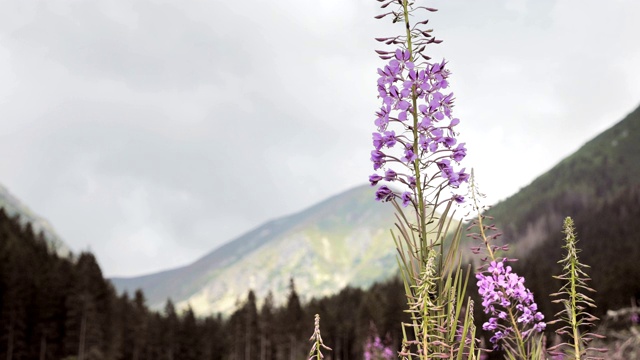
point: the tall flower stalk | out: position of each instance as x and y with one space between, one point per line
514 319
316 338
416 155
575 316
416 158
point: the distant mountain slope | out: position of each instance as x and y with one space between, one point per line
14 207
597 172
343 240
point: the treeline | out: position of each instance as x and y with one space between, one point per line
63 308
59 308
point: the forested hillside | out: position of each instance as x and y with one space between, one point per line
63 308
54 307
609 237
599 171
14 207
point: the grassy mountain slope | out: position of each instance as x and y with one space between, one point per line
12 206
597 172
343 240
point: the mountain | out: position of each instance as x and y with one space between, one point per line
345 239
599 187
12 206
341 241
598 172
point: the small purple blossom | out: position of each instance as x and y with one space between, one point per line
412 182
376 350
377 141
374 179
459 153
390 175
409 155
380 140
389 138
382 119
378 159
384 194
406 198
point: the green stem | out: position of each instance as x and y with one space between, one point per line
519 338
416 164
483 235
574 320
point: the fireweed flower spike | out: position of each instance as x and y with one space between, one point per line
417 92
416 147
514 320
415 102
504 295
575 318
316 338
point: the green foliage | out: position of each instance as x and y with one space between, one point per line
574 315
435 285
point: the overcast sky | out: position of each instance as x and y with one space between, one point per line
150 132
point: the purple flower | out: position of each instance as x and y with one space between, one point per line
384 194
390 175
449 141
389 138
445 167
503 291
490 325
382 120
412 182
377 141
377 157
376 350
406 198
373 179
459 153
409 155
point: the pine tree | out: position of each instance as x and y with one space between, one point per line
140 322
87 311
294 318
170 327
267 329
18 249
189 341
251 331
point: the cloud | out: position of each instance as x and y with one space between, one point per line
153 131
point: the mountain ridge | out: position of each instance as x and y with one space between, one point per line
601 168
350 215
345 240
